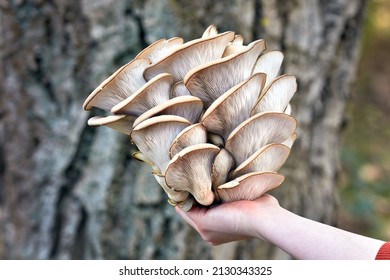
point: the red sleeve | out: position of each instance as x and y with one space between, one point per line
384 252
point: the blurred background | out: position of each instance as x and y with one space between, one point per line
69 191
365 182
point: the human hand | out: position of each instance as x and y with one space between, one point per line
231 221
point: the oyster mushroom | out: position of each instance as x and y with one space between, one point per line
179 89
159 49
222 165
182 199
235 46
258 131
290 140
191 135
210 80
271 157
249 186
188 107
154 136
288 110
120 85
121 123
234 106
190 55
190 170
269 63
151 94
210 31
277 96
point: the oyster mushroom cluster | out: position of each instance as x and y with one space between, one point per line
210 116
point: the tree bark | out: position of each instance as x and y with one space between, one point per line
68 191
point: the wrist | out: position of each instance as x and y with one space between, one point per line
268 219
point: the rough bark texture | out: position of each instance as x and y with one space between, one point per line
68 191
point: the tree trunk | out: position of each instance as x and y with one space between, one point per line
68 191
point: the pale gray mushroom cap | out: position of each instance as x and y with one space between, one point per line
121 123
151 94
210 31
188 107
269 63
154 136
234 106
191 135
271 157
258 131
120 85
290 140
161 48
235 46
190 170
210 80
190 55
175 197
223 164
288 110
179 89
277 96
249 186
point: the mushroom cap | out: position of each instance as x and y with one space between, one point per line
188 107
179 89
154 136
290 140
249 186
190 170
215 139
175 197
235 46
258 131
234 106
187 204
121 123
210 31
271 157
223 164
269 63
190 55
159 49
191 135
210 80
288 109
277 96
120 85
151 94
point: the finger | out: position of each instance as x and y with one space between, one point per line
186 217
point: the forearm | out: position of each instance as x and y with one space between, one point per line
306 239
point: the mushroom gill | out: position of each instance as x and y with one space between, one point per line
269 63
151 94
258 131
120 85
121 123
188 107
211 80
190 170
270 157
277 96
234 106
154 136
191 135
190 55
249 186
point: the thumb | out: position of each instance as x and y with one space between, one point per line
192 216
